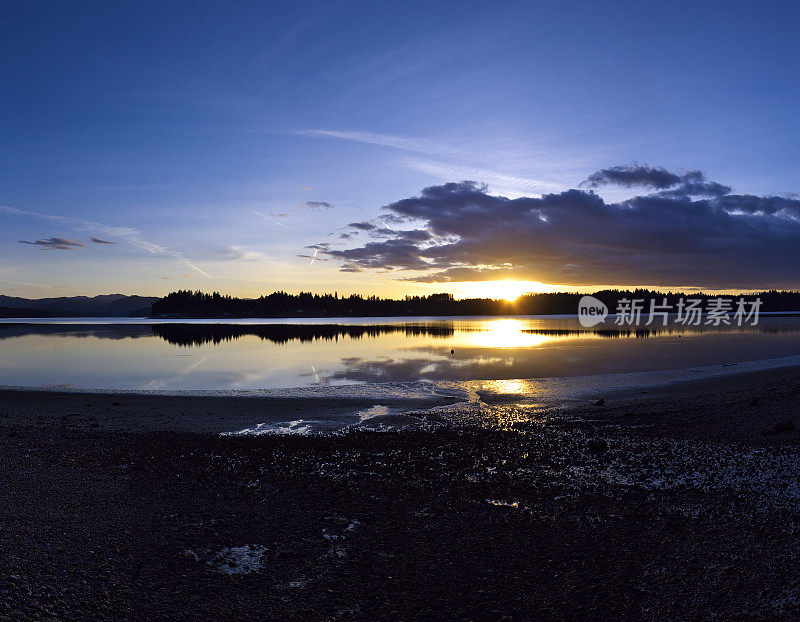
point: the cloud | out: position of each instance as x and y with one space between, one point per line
688 232
634 175
99 241
272 217
701 188
318 204
671 185
362 226
61 244
409 235
422 145
213 252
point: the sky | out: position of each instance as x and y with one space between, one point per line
397 148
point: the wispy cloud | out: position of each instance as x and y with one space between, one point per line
133 237
61 244
232 253
500 181
99 241
128 234
302 208
422 145
272 217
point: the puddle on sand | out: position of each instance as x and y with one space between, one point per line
300 427
503 503
233 559
378 410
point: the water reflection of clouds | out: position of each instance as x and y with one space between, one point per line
359 369
160 383
573 357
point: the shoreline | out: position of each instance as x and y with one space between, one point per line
327 409
299 319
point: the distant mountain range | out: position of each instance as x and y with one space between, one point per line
108 305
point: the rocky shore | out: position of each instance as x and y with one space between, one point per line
680 502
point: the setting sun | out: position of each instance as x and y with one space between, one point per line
505 290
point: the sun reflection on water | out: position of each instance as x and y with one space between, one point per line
514 387
506 333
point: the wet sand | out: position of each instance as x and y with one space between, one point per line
674 502
141 412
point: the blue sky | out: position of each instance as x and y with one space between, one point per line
203 138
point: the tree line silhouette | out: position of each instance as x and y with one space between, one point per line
196 304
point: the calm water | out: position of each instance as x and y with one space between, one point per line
247 354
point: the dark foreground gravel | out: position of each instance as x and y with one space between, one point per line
567 517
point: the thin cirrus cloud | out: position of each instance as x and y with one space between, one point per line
275 218
500 180
272 217
421 145
685 230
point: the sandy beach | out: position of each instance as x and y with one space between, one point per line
672 502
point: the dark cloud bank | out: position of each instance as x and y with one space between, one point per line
685 230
